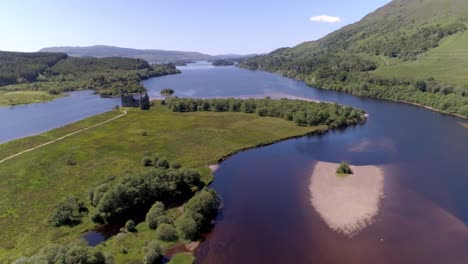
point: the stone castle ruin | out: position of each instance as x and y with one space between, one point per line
129 101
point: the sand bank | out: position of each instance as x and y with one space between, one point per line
213 167
346 203
463 124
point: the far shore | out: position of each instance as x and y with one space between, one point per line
347 203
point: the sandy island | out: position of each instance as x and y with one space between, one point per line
346 203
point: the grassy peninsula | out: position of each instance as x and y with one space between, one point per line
25 97
103 161
43 76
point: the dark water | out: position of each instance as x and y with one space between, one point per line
31 119
267 216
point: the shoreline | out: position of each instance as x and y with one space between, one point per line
375 98
319 131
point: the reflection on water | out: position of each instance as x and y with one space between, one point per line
267 217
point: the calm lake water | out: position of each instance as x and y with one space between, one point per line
31 119
267 216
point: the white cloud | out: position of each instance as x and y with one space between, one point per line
326 19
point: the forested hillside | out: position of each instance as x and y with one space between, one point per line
56 73
25 67
385 55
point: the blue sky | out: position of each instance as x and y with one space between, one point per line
209 26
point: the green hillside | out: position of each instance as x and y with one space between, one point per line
448 63
408 50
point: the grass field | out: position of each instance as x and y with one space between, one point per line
448 63
33 183
182 258
25 97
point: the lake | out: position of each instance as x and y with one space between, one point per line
267 216
31 119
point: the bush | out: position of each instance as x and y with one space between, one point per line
130 226
68 212
166 232
154 213
147 161
176 165
153 253
344 169
164 219
162 163
167 91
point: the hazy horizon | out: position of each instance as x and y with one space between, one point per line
210 27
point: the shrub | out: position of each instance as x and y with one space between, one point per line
70 160
166 232
344 169
147 161
167 91
68 212
164 219
153 253
154 213
130 226
162 163
176 165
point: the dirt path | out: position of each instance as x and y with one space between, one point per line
63 137
385 60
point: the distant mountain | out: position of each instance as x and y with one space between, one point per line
150 55
408 50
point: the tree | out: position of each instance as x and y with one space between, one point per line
130 226
154 213
188 227
153 253
344 169
166 232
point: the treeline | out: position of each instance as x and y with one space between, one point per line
67 254
222 63
18 67
303 113
108 76
133 193
428 92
